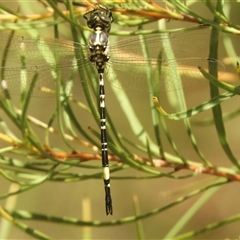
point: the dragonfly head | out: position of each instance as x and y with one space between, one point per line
101 18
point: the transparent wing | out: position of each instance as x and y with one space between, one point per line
168 75
135 60
53 60
184 44
160 59
38 50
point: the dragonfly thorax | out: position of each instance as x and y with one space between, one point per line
98 46
99 57
98 37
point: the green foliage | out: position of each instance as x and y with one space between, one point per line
180 179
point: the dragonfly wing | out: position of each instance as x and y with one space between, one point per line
160 76
160 59
71 78
53 60
184 44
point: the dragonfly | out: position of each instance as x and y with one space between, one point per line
138 68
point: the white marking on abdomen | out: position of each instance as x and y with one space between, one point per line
106 174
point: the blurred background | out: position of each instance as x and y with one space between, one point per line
70 198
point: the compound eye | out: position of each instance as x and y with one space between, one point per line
103 16
105 19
